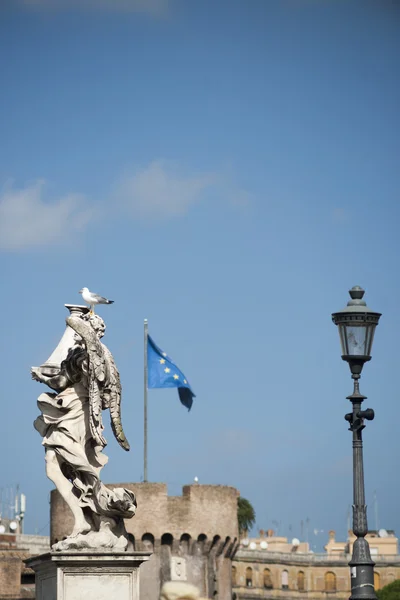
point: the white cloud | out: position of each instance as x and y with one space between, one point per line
161 190
27 221
156 8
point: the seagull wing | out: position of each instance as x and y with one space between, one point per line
99 299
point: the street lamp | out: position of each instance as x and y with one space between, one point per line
356 324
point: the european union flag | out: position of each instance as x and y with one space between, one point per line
163 373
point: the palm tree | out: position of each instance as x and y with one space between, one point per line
246 515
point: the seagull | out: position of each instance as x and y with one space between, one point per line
92 299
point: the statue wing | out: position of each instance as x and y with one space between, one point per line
112 400
98 375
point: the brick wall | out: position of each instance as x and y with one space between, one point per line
10 575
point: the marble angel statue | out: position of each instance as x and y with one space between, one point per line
86 383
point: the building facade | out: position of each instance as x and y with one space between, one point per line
261 571
16 581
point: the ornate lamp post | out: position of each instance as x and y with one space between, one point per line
357 325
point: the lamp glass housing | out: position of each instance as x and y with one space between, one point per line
356 324
356 338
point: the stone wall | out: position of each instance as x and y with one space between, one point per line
17 581
10 575
193 536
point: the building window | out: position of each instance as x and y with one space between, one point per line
285 580
234 575
216 540
148 542
249 577
184 544
301 581
330 582
377 581
167 539
267 580
28 579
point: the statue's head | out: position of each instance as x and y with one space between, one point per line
122 503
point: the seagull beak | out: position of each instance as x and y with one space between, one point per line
80 291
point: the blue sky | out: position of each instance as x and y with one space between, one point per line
227 170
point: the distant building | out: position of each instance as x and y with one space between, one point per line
269 541
271 567
16 581
381 543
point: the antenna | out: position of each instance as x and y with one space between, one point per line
22 513
6 502
16 503
11 500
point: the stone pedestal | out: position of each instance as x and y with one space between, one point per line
87 576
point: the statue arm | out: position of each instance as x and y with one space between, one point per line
57 382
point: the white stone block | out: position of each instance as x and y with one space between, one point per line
178 568
87 576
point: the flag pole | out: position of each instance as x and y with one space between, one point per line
145 400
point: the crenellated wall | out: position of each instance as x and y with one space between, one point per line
194 536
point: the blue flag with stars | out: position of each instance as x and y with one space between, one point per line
163 373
